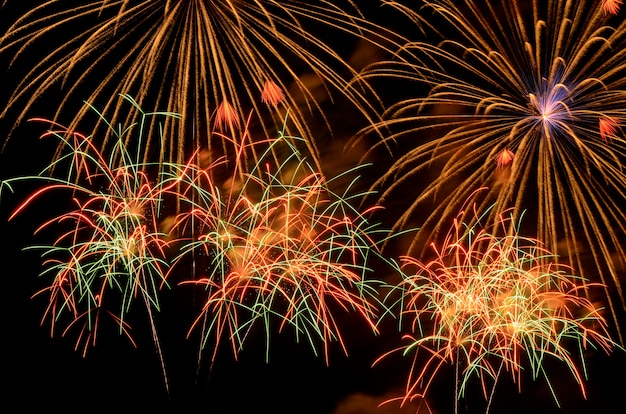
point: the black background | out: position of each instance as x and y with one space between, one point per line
40 372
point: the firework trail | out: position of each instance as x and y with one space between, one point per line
205 60
112 248
528 99
281 251
493 304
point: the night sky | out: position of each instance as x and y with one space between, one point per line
44 372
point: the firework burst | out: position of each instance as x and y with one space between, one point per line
526 98
281 250
612 6
196 58
490 304
112 249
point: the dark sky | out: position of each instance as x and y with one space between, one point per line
40 372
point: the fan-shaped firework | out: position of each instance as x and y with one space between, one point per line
111 249
192 57
611 6
280 249
526 98
490 304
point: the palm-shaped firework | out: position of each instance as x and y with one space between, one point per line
279 250
112 247
490 304
206 60
526 98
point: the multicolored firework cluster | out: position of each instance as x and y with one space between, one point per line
278 246
272 244
491 302
484 113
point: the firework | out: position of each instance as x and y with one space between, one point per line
611 6
280 250
528 99
193 58
111 249
490 305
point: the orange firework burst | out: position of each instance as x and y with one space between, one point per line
551 89
189 57
226 117
272 94
611 6
280 250
504 158
491 304
608 128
